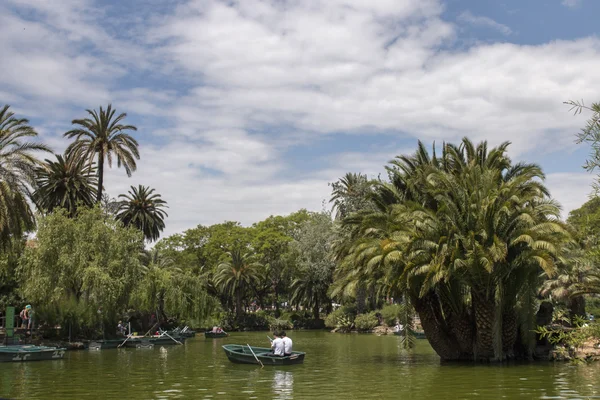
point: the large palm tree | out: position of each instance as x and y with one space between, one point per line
142 208
236 277
104 136
465 237
18 167
67 182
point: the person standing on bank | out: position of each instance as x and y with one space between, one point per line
287 344
29 319
24 315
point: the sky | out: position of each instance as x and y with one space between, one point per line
249 108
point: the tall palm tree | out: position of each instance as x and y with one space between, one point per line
144 210
310 289
350 194
18 167
237 276
104 136
67 182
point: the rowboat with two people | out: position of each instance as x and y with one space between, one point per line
215 333
245 354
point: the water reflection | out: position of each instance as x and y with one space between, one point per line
283 385
336 367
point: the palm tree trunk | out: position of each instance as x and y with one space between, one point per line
485 310
510 329
316 310
238 305
461 327
277 313
577 307
100 176
428 308
361 297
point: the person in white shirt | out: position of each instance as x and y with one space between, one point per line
287 344
277 346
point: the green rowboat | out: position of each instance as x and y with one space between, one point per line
30 353
241 354
105 344
153 341
213 335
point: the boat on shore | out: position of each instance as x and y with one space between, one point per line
17 353
243 354
215 335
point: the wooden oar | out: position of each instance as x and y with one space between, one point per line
165 333
262 365
124 341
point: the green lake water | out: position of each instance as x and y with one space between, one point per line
337 366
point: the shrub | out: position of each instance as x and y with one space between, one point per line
390 313
349 309
366 322
281 324
339 320
259 320
331 321
302 320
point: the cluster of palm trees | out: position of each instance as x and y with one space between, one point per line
74 179
467 237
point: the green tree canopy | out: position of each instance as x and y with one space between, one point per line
312 248
90 258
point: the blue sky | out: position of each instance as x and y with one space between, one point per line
249 108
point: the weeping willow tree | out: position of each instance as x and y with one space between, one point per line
170 291
464 236
88 264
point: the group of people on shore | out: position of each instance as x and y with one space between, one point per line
281 345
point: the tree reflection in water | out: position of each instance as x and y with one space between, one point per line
283 385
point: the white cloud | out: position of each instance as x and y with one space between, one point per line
570 189
571 3
478 20
345 69
221 90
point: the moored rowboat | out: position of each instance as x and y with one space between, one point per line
105 344
30 353
242 354
213 335
156 341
